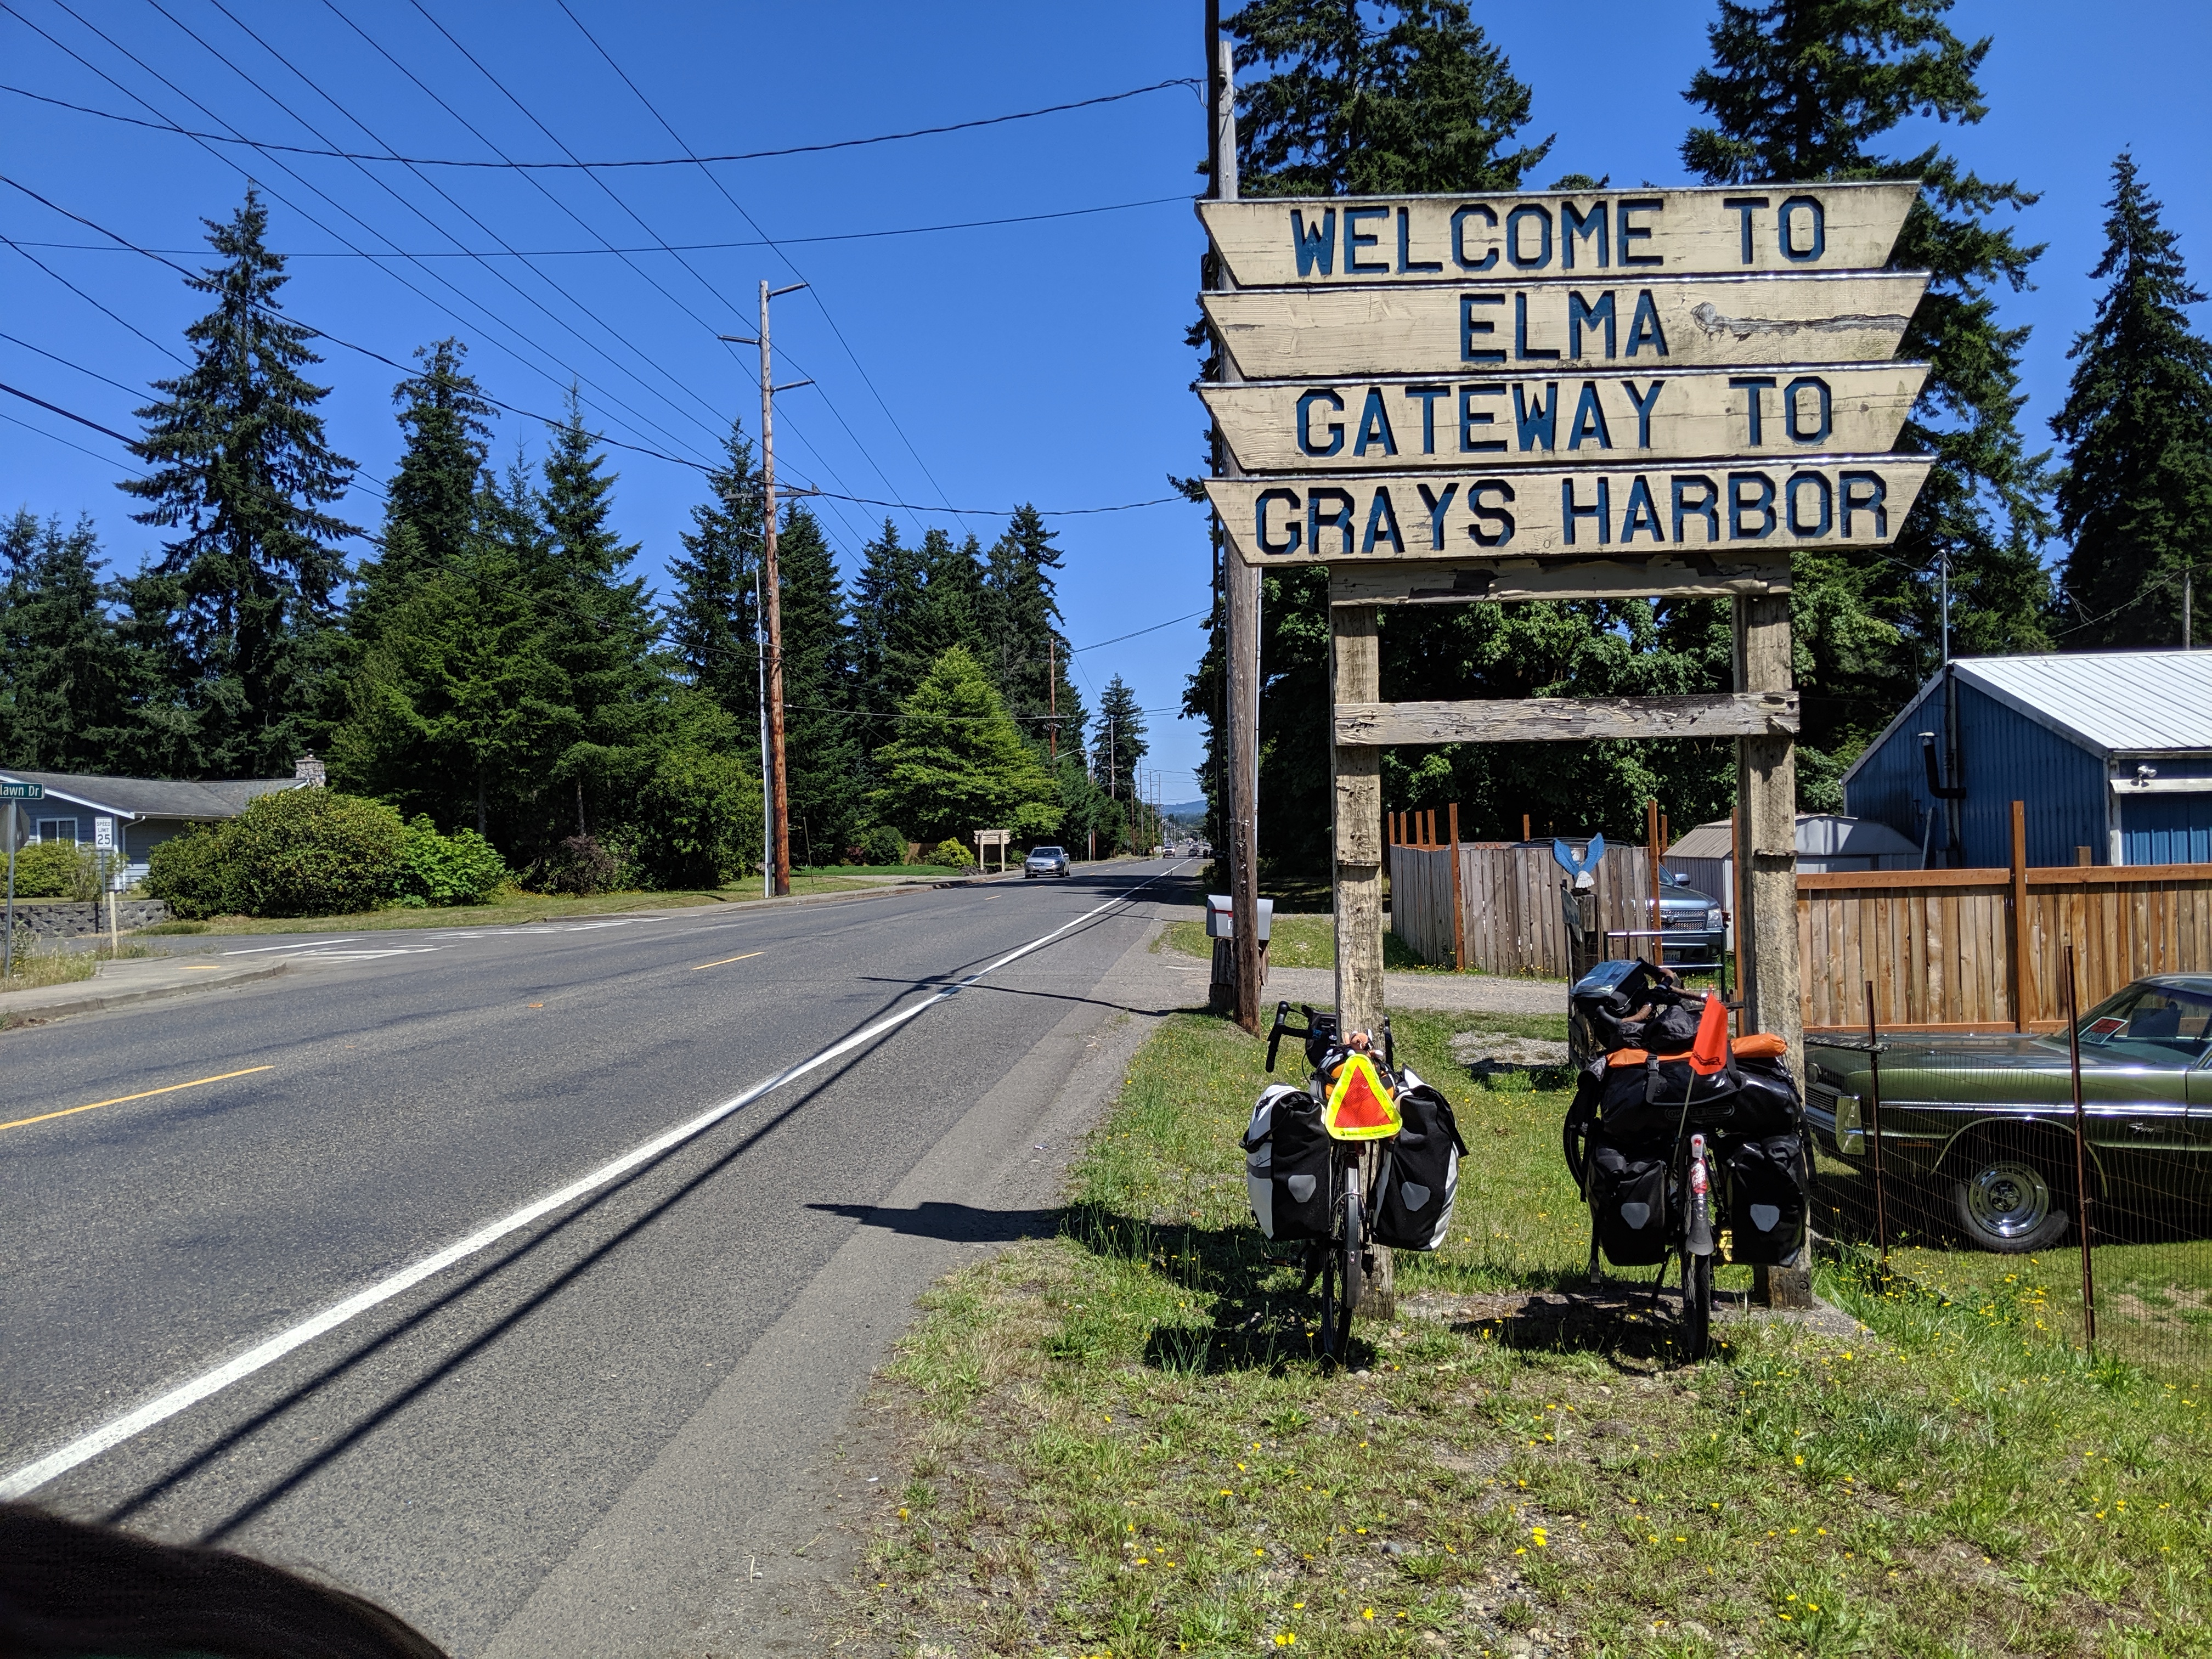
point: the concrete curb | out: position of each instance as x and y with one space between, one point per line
62 1000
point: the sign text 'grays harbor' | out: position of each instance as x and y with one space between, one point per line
1388 425
1819 501
1274 241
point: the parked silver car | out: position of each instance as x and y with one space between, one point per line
1045 861
1693 924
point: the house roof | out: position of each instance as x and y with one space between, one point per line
151 798
2110 702
1830 834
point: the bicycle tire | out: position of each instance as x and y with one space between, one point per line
1351 1247
1696 1306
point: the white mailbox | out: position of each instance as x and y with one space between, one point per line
1221 917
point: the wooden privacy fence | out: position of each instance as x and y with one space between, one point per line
1510 918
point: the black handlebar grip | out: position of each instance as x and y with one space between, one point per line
1275 1033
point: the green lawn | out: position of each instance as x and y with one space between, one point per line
1119 1441
1292 942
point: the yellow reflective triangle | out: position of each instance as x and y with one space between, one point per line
1360 1104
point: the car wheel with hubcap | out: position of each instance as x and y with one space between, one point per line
2008 1203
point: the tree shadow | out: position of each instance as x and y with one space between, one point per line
957 1224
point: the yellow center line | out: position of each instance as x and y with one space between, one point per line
143 1094
725 961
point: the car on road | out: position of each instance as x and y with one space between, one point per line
1986 1123
1045 861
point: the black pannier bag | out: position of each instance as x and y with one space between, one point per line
1286 1160
1424 1170
1627 1186
1767 1178
1768 1102
1645 1099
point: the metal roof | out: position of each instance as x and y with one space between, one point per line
152 798
1827 833
2112 702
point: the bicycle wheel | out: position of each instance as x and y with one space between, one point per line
1351 1247
1697 1305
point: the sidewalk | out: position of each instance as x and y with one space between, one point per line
139 980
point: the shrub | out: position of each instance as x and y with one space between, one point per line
581 863
699 819
56 869
310 853
188 872
952 855
883 845
462 868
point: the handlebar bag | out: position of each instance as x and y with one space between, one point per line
1286 1164
1643 1096
1422 1181
1628 1199
1766 1194
1769 1103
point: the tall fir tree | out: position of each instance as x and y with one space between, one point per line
1804 91
1027 652
711 624
951 610
66 674
2136 497
887 599
600 628
956 764
822 741
1122 745
430 507
241 467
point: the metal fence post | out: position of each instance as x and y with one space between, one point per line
2081 1155
1874 1129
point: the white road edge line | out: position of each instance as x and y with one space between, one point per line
86 1447
296 944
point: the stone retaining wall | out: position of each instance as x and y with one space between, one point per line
67 919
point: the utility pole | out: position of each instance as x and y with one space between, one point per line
1052 690
1240 582
777 792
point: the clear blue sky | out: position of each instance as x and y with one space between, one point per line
1041 362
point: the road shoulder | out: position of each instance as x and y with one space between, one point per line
118 984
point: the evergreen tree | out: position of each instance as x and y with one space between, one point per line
886 601
956 763
65 674
823 749
600 629
1803 90
1121 739
713 621
951 611
430 508
241 467
2136 498
1028 654
1385 98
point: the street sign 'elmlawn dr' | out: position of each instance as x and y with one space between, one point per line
22 791
1475 377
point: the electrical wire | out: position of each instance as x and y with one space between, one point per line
682 248
574 165
108 431
66 443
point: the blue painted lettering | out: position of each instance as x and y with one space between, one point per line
1570 509
1749 493
1590 226
1383 523
1580 311
1816 241
1522 349
1499 520
1631 232
1307 400
1865 492
1406 260
1643 406
1643 328
1428 395
1272 497
1314 247
1471 417
1469 327
1459 237
1375 426
1353 241
1529 213
1744 207
1643 513
1338 519
1590 420
1754 406
1823 421
1696 496
1437 506
1821 494
1536 423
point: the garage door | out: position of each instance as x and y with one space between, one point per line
2167 829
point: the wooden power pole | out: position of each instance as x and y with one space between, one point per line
1240 582
778 852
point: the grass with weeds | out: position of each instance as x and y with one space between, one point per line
36 969
1123 1442
1292 942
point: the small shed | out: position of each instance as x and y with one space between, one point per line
2109 751
1825 841
147 810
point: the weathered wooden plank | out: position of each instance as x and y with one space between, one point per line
1355 675
1569 719
1826 501
1688 573
1766 798
1417 238
1388 425
1515 329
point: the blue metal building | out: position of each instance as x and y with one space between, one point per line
2109 751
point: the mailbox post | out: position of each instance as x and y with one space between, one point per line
1221 928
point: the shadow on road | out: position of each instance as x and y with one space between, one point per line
957 1224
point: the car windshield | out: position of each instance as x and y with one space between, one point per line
1044 852
2158 1024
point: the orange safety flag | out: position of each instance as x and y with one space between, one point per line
1360 1105
1709 1053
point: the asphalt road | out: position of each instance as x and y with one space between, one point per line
465 1451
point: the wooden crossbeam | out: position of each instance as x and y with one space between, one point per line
1681 575
1570 720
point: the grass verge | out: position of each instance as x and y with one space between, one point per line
1119 1440
36 970
1293 941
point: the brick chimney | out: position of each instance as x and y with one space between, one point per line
308 772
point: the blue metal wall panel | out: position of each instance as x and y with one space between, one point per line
2168 828
2004 757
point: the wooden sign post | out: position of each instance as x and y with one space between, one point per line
1462 398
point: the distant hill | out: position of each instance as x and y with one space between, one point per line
1192 811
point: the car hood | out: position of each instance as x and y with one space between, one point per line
1996 1051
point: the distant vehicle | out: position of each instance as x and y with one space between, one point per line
1045 861
1693 925
1989 1119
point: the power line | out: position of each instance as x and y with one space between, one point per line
1009 511
682 247
56 437
135 392
1154 628
574 165
56 409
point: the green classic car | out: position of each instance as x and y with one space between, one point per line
1987 1122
